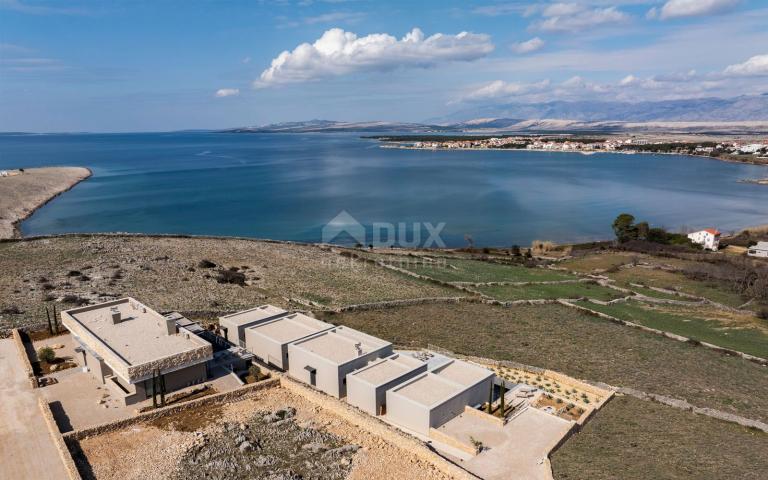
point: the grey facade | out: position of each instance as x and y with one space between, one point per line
433 398
367 387
269 340
235 324
324 360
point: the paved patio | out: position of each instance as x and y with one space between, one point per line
517 450
26 446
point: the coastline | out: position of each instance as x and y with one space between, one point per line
583 152
25 191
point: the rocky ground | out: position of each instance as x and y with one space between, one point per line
268 445
197 276
275 435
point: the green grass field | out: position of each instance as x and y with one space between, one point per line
672 281
508 293
477 271
684 321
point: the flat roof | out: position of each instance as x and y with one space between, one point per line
290 328
388 369
462 373
341 344
443 383
262 312
140 336
429 389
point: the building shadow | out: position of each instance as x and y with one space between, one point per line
81 460
61 417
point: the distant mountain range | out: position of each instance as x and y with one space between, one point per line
739 115
743 108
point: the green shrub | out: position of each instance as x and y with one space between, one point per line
46 354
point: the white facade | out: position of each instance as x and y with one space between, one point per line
759 250
708 238
269 340
433 398
324 360
367 387
236 323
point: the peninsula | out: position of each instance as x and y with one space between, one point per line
25 190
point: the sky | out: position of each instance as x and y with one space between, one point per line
115 66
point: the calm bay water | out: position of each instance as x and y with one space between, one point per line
287 186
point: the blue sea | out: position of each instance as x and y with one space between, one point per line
288 186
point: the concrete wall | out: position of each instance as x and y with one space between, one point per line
370 398
358 363
330 377
362 395
267 349
407 413
453 407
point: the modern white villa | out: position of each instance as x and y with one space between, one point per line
269 340
129 347
709 238
437 396
234 325
324 360
367 388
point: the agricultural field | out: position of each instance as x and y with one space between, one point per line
675 281
573 290
483 272
580 345
637 440
738 331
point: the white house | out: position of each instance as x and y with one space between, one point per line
759 250
709 238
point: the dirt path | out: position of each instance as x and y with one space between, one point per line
21 193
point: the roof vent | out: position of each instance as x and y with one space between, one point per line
359 348
116 318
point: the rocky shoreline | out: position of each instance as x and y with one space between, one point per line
23 191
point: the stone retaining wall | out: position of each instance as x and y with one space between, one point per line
225 397
441 437
22 351
673 336
58 440
683 405
376 427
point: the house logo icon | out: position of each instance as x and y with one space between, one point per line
342 224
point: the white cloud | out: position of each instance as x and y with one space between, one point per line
573 17
695 8
338 52
227 92
502 89
629 80
528 46
755 66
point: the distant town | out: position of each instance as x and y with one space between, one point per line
752 151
